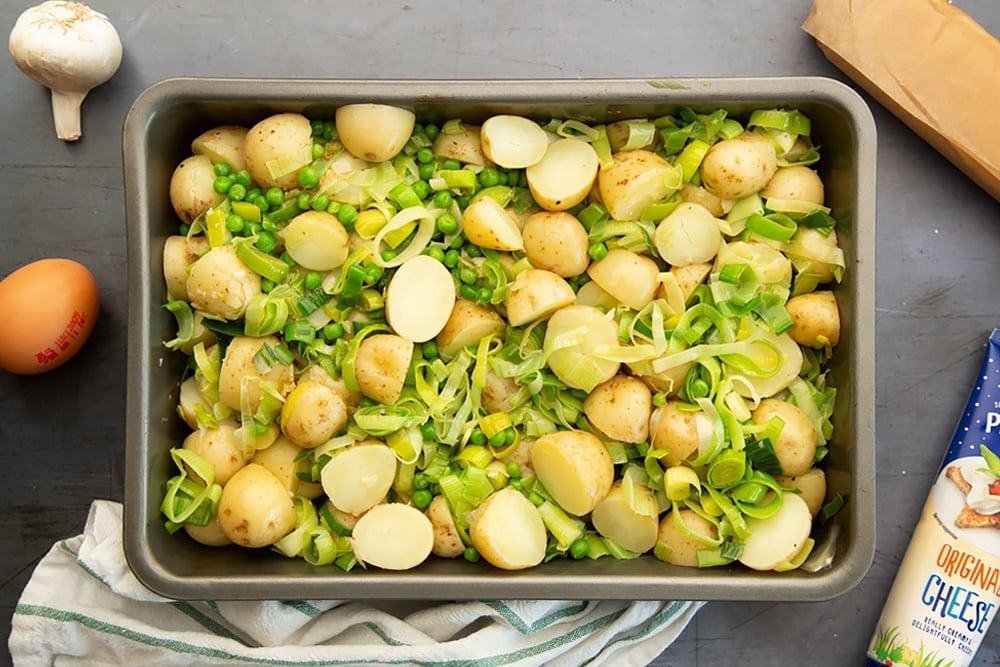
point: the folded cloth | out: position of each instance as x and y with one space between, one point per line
83 606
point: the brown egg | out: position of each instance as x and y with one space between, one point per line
49 308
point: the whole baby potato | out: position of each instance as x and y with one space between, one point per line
381 364
276 148
179 253
374 132
811 251
678 432
636 179
737 167
683 545
688 235
798 183
285 461
556 241
629 277
255 509
796 446
239 370
191 188
210 534
811 486
535 294
223 144
816 318
447 541
620 408
467 325
219 283
220 448
312 414
574 467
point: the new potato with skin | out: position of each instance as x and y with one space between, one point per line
255 509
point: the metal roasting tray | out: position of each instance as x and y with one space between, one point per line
157 135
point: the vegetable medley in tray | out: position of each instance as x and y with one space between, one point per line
511 341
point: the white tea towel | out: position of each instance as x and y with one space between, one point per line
83 606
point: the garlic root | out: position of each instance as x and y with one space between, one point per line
69 48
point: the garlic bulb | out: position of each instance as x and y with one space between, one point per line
69 48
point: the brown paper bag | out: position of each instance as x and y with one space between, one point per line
930 64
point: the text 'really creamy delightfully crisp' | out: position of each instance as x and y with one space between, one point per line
948 586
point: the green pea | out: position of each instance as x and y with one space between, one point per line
308 177
304 201
497 439
425 155
451 258
422 189
426 171
237 192
451 164
597 251
470 554
347 214
447 224
266 285
312 280
442 199
457 242
429 433
483 295
579 548
488 177
436 252
429 350
422 498
432 131
318 150
320 203
468 276
221 184
333 331
317 128
477 437
510 435
473 251
243 177
183 229
329 130
463 201
468 292
659 399
513 470
235 223
517 484
222 169
266 241
287 259
420 479
275 197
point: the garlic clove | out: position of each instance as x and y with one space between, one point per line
69 48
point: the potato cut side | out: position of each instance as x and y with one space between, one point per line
508 531
564 176
635 529
779 537
574 467
358 479
579 365
316 240
513 142
487 224
393 536
374 132
419 298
